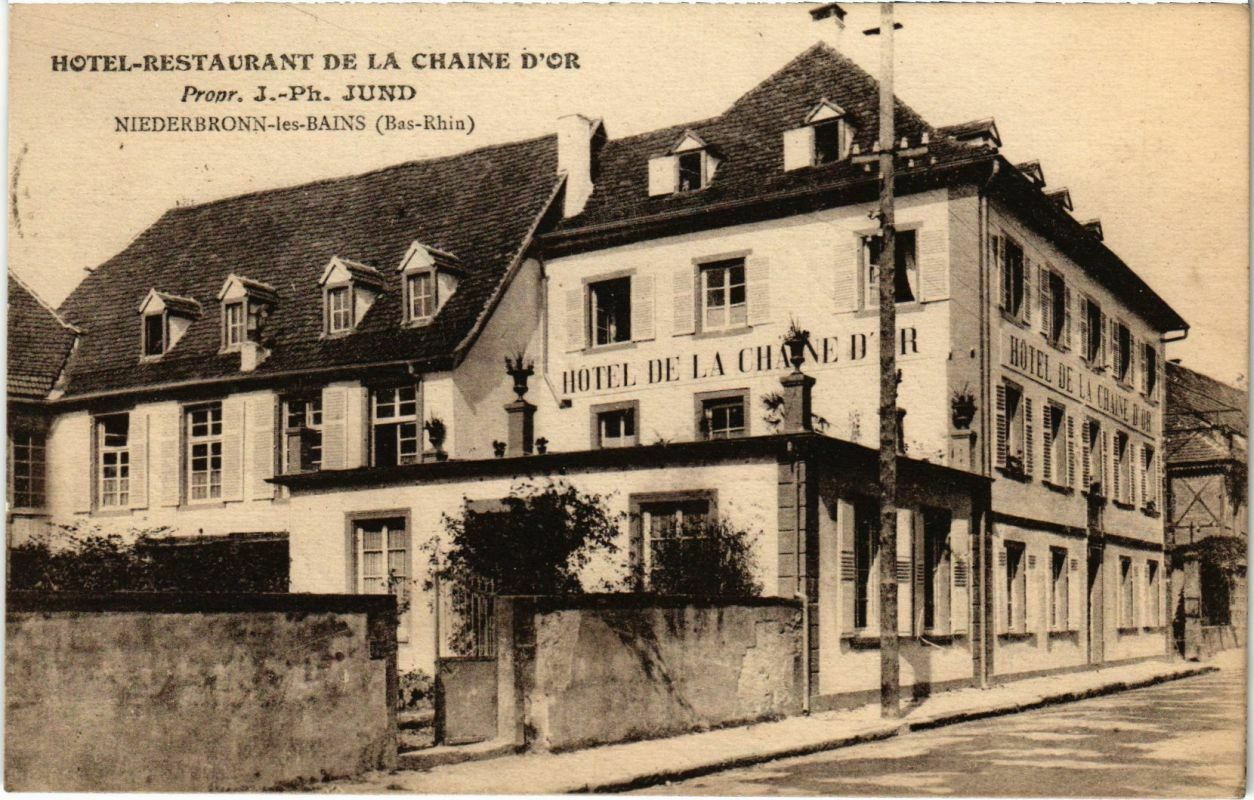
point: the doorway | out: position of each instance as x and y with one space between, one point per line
1096 620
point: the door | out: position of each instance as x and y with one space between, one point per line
1096 621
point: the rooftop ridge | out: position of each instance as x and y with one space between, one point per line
56 315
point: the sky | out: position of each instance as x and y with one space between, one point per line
1141 111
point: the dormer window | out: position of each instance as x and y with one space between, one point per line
245 303
688 167
429 278
824 138
164 320
349 289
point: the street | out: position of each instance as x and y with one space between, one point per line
1180 739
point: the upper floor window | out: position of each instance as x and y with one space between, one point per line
429 278
1055 309
722 415
1092 332
204 452
27 463
339 309
614 425
1149 371
1123 468
825 137
724 301
691 171
420 288
1013 436
1121 350
688 166
1014 280
1092 442
154 334
610 302
906 274
164 320
394 426
113 460
245 303
1055 455
302 434
349 289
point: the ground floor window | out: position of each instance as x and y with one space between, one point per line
27 458
936 567
1127 594
670 528
381 561
615 425
1016 584
866 542
723 415
1154 592
302 434
1060 586
204 452
114 459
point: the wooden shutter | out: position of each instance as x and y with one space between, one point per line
334 401
1085 333
758 289
261 419
1103 342
1046 298
1001 425
1066 323
576 324
1031 573
997 259
642 313
1075 590
233 449
1086 457
1141 367
845 283
662 175
1047 439
798 148
933 264
1103 468
683 287
905 570
1029 290
137 442
1001 603
960 593
168 422
1133 357
1070 478
1112 341
1028 435
848 570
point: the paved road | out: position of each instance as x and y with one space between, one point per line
1179 739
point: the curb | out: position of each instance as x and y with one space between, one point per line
889 731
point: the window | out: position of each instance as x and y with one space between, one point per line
1055 310
154 334
1016 588
1122 351
114 460
723 299
1154 592
27 461
420 288
1127 594
1149 478
615 426
936 566
1095 458
204 452
1060 586
1149 378
723 416
339 309
611 311
1094 332
302 434
1016 438
394 426
671 525
906 277
690 171
381 561
1055 453
1123 468
233 326
1013 280
865 551
827 142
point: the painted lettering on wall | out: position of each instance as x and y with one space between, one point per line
697 366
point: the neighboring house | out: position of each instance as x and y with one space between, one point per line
39 345
267 362
1207 504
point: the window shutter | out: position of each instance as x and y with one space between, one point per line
933 264
1047 437
137 441
1070 478
1086 458
683 284
1028 436
1118 470
169 434
576 326
1031 574
1075 590
997 259
845 288
1046 299
334 400
1103 468
798 148
960 594
1001 425
1133 357
905 570
261 435
662 175
1143 385
1000 601
232 449
1112 345
1029 290
642 315
848 571
1066 322
1084 329
758 289
1103 343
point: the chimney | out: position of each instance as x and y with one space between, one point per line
1094 226
251 354
522 427
579 141
837 14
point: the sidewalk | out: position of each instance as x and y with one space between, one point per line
636 764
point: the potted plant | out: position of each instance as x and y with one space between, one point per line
498 448
436 433
542 445
520 368
795 339
962 407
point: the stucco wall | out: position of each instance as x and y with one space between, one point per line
593 672
194 692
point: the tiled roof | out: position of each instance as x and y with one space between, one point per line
480 205
1206 419
39 343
